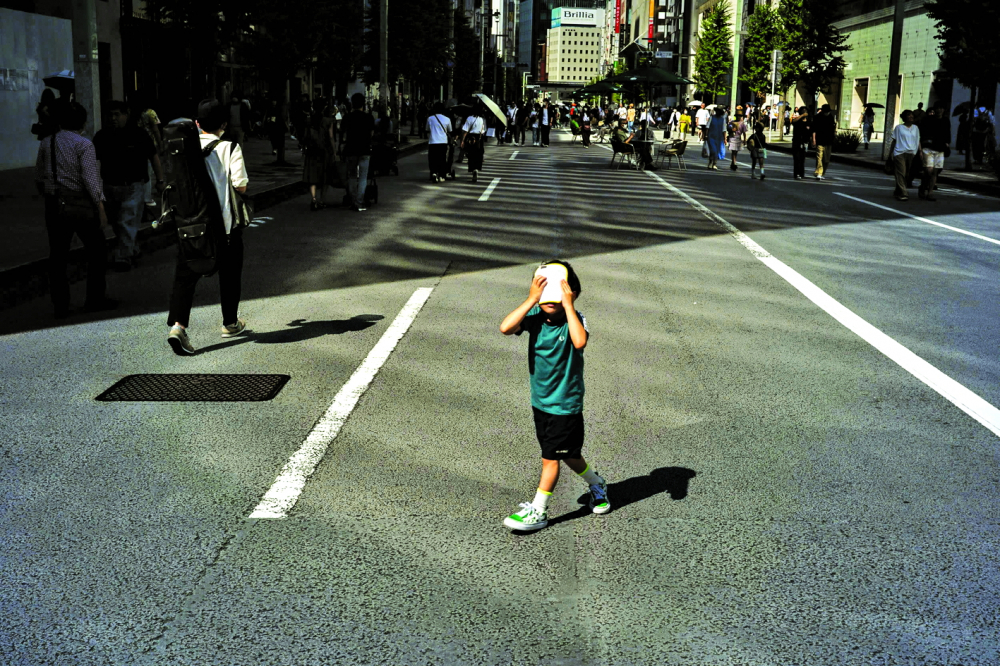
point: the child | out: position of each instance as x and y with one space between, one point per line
757 145
737 130
557 336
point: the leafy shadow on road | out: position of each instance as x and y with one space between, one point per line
301 330
671 480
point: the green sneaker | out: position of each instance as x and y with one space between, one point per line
599 498
528 519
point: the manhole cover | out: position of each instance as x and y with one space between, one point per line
195 388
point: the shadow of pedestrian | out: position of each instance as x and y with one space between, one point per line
670 480
300 331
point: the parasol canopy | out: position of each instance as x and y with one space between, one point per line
492 106
875 106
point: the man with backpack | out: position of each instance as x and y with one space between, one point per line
224 162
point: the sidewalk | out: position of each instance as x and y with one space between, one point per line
980 180
24 254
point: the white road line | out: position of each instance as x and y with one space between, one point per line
285 490
921 219
514 154
960 396
489 190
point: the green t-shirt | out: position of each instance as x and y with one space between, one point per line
554 364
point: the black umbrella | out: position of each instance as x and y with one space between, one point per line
601 87
64 81
875 106
964 107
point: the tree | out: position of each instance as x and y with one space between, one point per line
418 42
714 58
811 46
763 37
970 50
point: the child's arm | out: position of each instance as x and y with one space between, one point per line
511 324
577 333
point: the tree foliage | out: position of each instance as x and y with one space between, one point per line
970 48
714 57
418 41
812 47
763 37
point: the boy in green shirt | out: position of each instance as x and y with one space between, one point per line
557 337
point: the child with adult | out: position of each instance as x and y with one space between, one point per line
558 335
757 145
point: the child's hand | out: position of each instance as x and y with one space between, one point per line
537 285
567 296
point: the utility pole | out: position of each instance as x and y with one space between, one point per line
893 88
737 39
451 53
383 55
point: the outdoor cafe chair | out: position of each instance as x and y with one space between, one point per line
676 150
625 152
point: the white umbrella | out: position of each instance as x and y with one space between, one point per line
492 106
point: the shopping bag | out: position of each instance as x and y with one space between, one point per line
704 149
490 132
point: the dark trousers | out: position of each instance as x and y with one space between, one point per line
799 159
519 134
437 159
475 155
60 236
585 134
545 135
230 282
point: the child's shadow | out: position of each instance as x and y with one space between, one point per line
671 480
300 330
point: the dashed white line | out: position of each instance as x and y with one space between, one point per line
285 490
489 190
921 219
514 154
960 396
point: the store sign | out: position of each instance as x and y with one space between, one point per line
582 18
618 17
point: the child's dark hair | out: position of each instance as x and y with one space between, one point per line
758 127
571 277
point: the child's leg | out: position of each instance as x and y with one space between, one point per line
550 475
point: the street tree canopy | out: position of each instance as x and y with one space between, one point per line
714 58
763 37
970 47
812 47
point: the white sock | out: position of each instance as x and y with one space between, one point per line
590 476
541 501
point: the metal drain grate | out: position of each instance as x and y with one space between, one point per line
195 388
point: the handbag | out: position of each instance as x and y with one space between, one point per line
889 168
72 206
704 149
241 204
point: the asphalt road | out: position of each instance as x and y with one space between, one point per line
787 489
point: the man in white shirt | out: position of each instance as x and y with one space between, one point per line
439 130
226 169
906 138
545 122
702 117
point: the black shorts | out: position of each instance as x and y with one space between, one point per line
560 435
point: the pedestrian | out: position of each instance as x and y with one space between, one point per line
935 143
227 172
356 145
545 119
439 130
125 152
773 114
557 336
868 125
715 137
673 123
276 127
801 138
521 123
757 145
317 140
240 121
535 118
919 114
824 130
630 117
47 124
737 134
148 121
982 133
585 128
473 138
905 146
66 175
962 137
684 123
702 117
788 118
